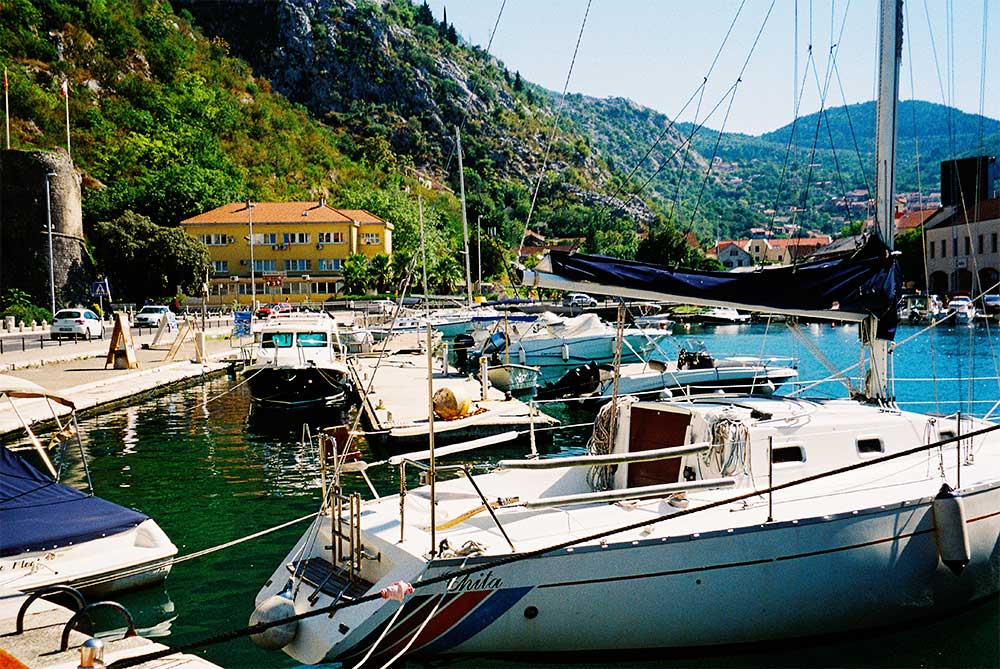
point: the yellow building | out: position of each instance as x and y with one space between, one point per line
297 253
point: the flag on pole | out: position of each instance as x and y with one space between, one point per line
65 94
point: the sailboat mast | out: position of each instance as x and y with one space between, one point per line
465 221
890 55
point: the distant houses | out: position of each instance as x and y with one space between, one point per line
298 250
737 253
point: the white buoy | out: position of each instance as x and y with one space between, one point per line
950 530
274 608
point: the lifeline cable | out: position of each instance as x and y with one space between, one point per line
450 576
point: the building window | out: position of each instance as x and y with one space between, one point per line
944 249
930 247
296 238
370 239
265 265
262 238
733 252
220 266
331 265
330 237
993 242
982 248
214 239
954 247
968 246
727 264
297 265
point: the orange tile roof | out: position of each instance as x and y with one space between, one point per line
283 212
913 219
801 241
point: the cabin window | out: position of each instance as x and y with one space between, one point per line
869 445
947 434
784 454
312 339
276 340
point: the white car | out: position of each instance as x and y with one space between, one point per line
149 317
73 323
579 300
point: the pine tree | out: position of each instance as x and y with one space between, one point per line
452 35
425 16
518 84
443 26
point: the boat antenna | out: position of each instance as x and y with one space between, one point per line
890 54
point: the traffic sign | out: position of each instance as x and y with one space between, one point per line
100 289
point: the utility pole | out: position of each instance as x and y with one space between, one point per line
48 216
465 221
253 276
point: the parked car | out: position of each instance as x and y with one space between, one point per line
273 309
149 317
991 304
82 323
579 300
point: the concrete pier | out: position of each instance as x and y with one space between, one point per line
38 645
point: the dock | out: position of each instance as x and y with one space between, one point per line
79 373
396 404
38 645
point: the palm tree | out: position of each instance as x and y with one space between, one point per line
446 274
380 272
356 277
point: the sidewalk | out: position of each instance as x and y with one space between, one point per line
80 374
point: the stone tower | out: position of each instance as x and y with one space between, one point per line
24 239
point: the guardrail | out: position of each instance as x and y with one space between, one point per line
17 341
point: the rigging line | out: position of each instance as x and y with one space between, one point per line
711 161
854 135
920 195
332 609
555 125
465 116
698 92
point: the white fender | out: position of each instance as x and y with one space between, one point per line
950 530
564 350
521 357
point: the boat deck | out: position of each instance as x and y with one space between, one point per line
396 403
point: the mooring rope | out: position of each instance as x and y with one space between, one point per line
527 555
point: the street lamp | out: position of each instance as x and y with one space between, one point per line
253 276
48 216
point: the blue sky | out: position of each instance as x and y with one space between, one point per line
657 52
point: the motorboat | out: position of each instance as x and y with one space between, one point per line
764 518
962 310
511 377
920 308
694 372
722 316
555 344
54 534
298 363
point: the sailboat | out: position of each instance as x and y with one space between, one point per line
709 521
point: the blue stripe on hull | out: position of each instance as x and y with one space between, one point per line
482 617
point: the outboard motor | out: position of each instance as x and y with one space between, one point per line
694 360
462 345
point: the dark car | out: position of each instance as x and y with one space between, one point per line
991 304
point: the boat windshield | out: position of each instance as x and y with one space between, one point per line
311 339
276 340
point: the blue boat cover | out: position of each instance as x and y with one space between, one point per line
38 513
864 282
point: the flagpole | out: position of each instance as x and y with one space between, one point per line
6 106
65 88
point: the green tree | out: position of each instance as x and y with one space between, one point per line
356 277
910 245
424 15
446 274
144 260
380 272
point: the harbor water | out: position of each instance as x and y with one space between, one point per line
209 472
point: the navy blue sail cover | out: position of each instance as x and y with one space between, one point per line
865 282
37 513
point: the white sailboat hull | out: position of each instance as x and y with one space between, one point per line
800 578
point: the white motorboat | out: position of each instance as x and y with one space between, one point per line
298 363
555 344
693 503
695 372
962 310
53 534
722 316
